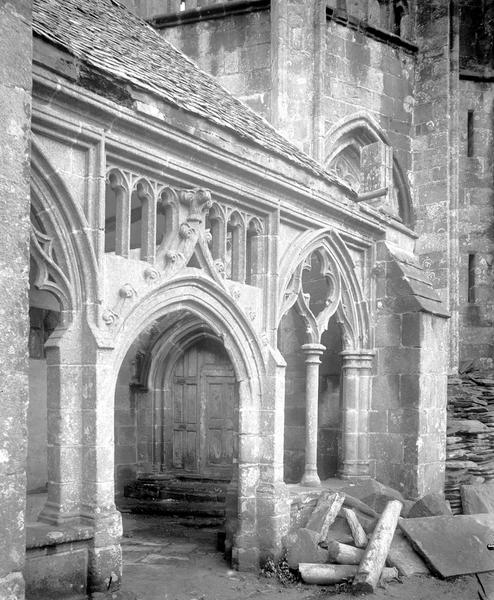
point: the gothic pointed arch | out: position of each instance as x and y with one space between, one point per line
343 149
60 239
345 297
203 298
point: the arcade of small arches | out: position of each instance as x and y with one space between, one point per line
142 215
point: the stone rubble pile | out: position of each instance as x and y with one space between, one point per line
470 436
343 539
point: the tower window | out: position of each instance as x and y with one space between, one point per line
471 278
470 133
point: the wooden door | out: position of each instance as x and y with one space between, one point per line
218 403
186 424
203 415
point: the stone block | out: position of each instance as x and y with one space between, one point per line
398 360
403 420
410 391
303 546
387 448
388 330
57 574
378 421
411 330
385 391
402 556
430 505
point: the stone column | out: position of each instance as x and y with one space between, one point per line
356 374
273 498
312 361
98 495
64 427
15 116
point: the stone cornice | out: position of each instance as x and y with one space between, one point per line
382 35
207 13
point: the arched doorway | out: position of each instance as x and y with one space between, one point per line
176 429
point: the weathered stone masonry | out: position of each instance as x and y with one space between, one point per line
15 116
217 305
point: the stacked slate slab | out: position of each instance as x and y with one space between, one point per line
470 436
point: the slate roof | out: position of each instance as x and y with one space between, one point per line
105 35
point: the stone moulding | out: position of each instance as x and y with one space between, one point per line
217 10
382 35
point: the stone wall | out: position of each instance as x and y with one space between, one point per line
15 110
434 178
407 420
235 50
366 75
476 218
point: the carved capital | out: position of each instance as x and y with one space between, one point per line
144 191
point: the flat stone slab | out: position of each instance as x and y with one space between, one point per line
160 559
477 499
455 545
402 556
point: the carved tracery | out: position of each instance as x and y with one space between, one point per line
339 293
48 274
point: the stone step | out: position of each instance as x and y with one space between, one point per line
185 490
171 507
183 497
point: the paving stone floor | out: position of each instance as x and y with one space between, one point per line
168 558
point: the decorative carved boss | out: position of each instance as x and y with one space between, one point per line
188 209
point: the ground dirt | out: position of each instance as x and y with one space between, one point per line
171 559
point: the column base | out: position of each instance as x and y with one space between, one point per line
354 470
52 514
105 569
311 479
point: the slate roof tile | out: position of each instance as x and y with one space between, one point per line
105 35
